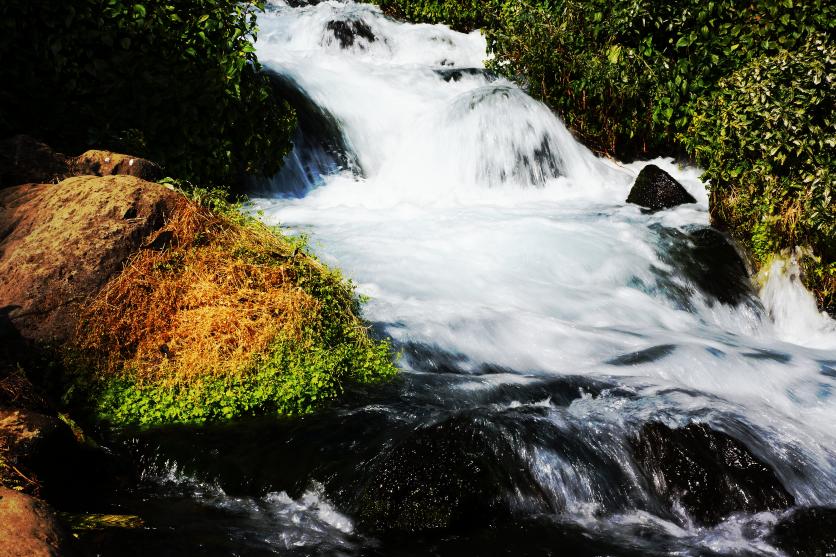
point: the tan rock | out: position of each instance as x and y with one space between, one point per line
29 528
107 163
60 243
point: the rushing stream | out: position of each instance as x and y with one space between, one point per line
542 322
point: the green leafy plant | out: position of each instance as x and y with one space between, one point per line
176 82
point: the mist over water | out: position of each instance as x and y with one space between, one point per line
500 256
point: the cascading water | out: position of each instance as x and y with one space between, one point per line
531 305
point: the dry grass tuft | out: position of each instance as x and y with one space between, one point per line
204 297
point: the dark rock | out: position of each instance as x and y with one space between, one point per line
29 528
709 473
319 145
347 32
710 262
25 160
450 475
655 189
807 532
60 243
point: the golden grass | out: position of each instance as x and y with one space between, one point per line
207 303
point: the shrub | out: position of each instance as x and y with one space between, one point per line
176 82
766 139
224 317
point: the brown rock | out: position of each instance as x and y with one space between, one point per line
26 160
106 163
28 528
60 243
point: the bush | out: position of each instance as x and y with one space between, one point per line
176 82
224 318
766 139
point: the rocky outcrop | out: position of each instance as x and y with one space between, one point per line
60 243
25 160
708 473
28 528
655 189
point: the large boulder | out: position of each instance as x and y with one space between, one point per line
28 528
709 473
60 243
655 189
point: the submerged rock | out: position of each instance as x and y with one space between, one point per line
60 243
348 32
655 189
450 475
28 528
709 473
807 532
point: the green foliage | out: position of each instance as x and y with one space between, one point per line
176 82
290 379
462 15
766 138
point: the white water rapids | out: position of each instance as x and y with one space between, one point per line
479 227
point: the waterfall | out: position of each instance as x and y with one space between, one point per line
542 321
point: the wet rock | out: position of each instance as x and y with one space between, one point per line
655 189
25 160
709 473
60 243
347 33
107 163
709 261
807 532
450 475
